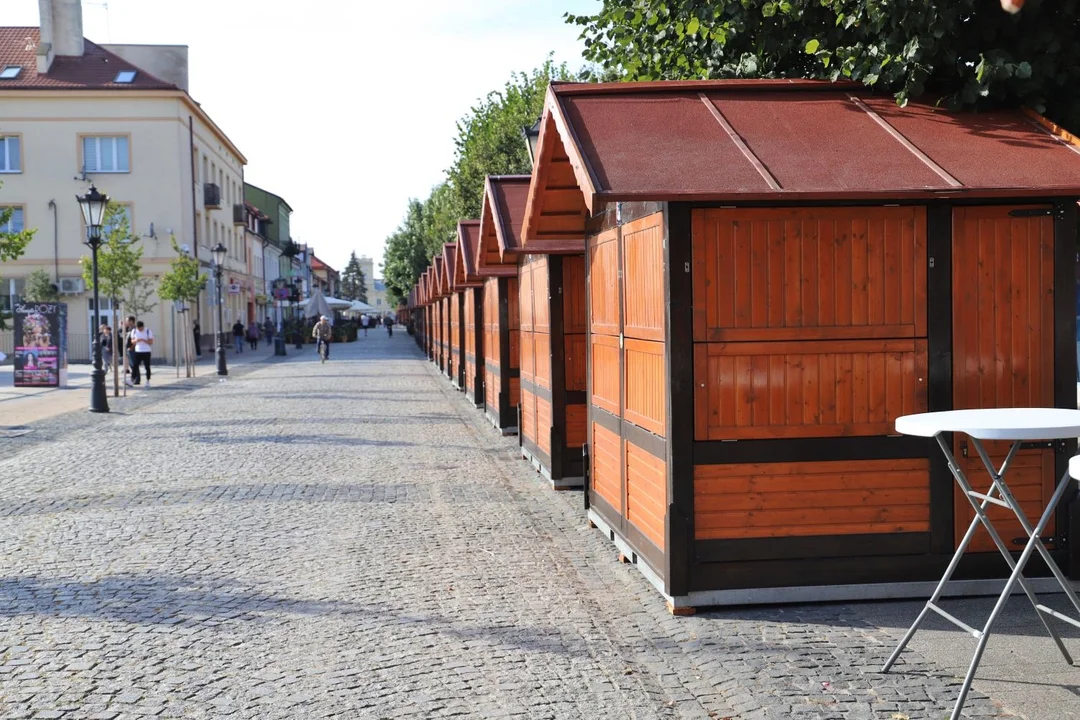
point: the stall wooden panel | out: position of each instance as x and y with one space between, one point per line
1003 340
514 326
470 341
806 389
811 498
604 385
606 475
491 344
643 273
455 337
604 284
645 391
809 273
646 493
575 301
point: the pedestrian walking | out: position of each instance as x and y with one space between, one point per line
196 330
238 336
253 336
106 342
142 339
364 323
129 348
268 330
389 323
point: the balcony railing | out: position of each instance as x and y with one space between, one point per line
211 196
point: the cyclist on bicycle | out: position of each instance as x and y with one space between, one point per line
322 332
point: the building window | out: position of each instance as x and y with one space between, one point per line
125 76
10 72
110 227
10 155
16 223
106 155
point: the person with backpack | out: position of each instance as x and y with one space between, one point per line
238 336
253 335
389 323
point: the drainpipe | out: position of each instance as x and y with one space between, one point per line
194 207
56 243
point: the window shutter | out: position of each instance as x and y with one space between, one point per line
122 155
107 158
14 156
17 221
90 154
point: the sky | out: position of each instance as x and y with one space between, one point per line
346 109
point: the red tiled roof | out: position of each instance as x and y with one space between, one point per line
777 140
468 232
509 194
96 69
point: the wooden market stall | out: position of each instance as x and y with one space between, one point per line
438 278
776 270
429 326
471 288
452 309
551 302
502 358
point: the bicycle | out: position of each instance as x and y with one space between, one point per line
324 349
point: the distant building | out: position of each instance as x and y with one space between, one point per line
72 113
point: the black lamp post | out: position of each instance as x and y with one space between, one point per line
532 139
93 205
220 251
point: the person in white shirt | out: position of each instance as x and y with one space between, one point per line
142 338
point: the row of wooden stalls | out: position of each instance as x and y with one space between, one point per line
711 300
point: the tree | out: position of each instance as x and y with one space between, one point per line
361 286
119 270
40 287
350 279
12 246
182 284
966 53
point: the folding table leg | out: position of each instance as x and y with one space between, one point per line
1059 491
1017 575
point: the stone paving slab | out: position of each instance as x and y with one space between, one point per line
350 540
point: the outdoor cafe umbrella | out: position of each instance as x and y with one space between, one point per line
317 305
359 306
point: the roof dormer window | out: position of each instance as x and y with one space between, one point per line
10 72
125 76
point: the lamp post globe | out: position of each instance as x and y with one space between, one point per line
220 251
93 205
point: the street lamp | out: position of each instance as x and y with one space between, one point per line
219 252
93 205
532 139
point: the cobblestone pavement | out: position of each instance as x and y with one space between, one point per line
350 541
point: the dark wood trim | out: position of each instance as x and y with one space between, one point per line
539 455
647 441
605 420
557 360
576 397
541 392
647 550
478 332
874 447
586 458
811 547
506 410
927 202
461 340
608 513
679 364
621 282
853 570
939 337
502 371
1066 248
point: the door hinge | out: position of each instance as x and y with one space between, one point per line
620 341
931 263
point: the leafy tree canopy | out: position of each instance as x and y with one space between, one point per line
350 279
12 246
968 53
40 287
119 257
183 281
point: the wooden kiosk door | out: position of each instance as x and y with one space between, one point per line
1003 351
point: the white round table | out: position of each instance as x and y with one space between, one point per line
1012 424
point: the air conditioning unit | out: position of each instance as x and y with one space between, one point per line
71 286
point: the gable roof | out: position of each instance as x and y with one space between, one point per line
468 236
778 141
439 276
95 69
449 255
502 211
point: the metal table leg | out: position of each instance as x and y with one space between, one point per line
980 501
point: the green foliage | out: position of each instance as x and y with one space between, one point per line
351 278
967 53
361 287
183 282
40 288
489 141
119 258
12 246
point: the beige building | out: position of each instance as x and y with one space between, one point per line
376 289
74 113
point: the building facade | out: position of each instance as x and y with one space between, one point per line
74 113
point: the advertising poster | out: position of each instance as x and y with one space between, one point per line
40 344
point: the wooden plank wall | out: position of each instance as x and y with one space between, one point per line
808 323
491 344
628 382
455 336
530 269
470 340
575 312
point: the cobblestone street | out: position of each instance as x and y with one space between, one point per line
350 540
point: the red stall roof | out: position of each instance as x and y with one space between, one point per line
449 256
775 140
438 277
501 215
468 232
